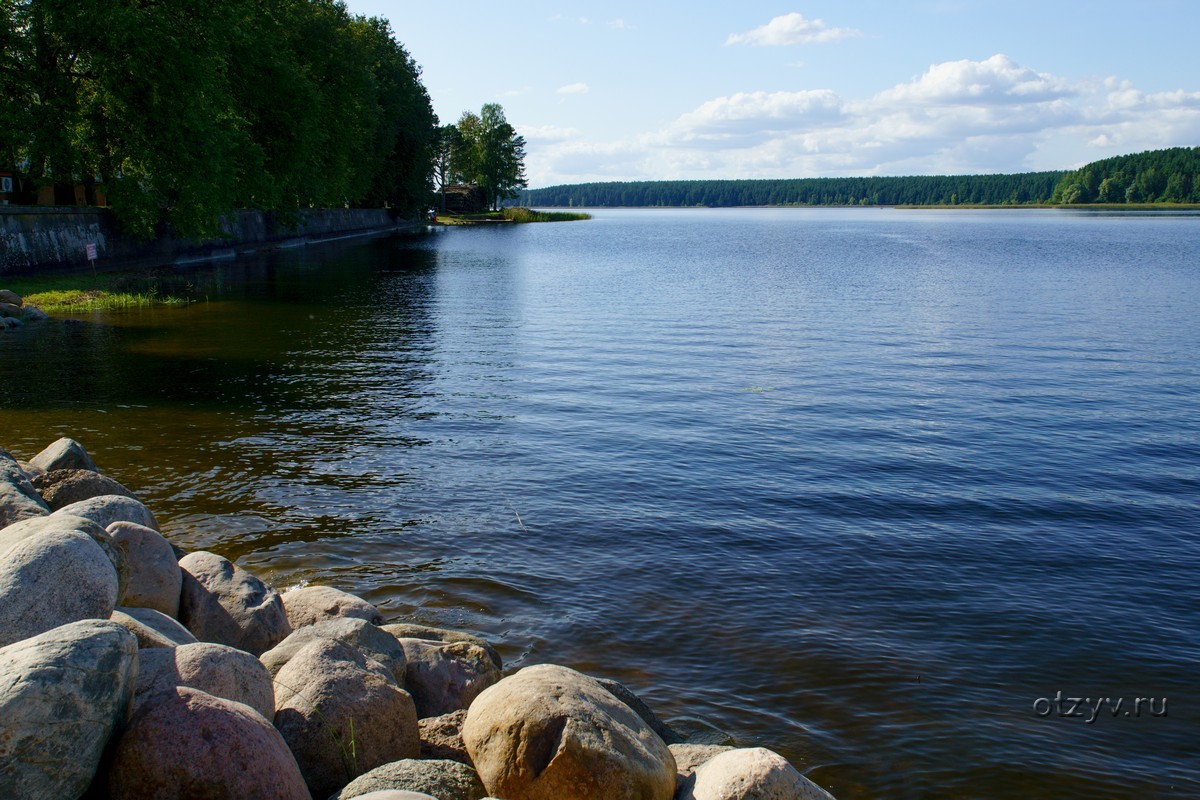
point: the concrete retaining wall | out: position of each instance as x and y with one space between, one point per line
35 239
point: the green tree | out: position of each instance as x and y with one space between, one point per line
185 110
444 146
404 139
160 117
490 154
503 156
14 85
466 153
1112 190
1149 177
1177 189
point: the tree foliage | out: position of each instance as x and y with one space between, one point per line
445 144
184 110
1154 176
489 153
1033 187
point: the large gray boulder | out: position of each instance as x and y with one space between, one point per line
364 637
342 715
395 794
64 454
52 572
185 744
19 499
11 297
217 669
39 525
309 605
153 629
109 508
550 732
155 580
445 676
445 780
62 694
62 487
754 773
413 630
223 603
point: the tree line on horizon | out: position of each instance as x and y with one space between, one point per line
1032 187
1153 176
1156 176
183 111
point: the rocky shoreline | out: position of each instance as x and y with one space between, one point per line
132 669
14 313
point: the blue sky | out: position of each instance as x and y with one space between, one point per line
668 90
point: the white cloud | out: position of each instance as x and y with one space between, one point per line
992 115
574 88
791 29
754 115
996 80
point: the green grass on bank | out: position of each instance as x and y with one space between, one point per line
529 215
105 291
510 215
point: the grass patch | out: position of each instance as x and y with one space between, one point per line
529 215
510 215
107 291
463 219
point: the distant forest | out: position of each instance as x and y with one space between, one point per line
1156 176
1152 177
1033 187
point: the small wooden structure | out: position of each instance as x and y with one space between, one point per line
465 199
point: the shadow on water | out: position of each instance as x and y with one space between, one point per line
235 415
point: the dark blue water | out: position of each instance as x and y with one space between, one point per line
858 485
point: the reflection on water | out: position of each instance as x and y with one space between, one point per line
856 485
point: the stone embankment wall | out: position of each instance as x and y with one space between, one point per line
34 239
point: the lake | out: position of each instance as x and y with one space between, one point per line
879 489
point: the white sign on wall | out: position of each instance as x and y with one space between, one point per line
91 251
6 185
